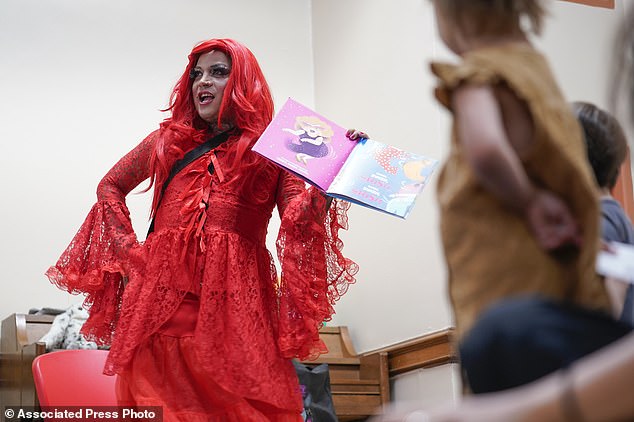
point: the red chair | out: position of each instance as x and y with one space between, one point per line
73 378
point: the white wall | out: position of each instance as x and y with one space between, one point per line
371 72
578 41
427 387
82 83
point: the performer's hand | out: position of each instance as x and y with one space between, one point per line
356 135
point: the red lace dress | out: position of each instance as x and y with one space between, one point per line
203 327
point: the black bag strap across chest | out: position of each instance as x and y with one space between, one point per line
189 157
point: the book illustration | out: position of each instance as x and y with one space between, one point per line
305 143
416 173
385 155
384 177
368 172
312 138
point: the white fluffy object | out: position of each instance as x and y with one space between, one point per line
64 332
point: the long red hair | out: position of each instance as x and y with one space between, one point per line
247 105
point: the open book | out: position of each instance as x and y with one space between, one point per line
368 172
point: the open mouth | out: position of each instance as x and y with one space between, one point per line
205 98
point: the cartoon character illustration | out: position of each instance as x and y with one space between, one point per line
313 137
401 201
414 169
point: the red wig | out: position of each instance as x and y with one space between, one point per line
247 106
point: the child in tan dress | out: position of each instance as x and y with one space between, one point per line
595 388
519 205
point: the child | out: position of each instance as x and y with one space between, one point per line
518 340
594 388
519 207
607 149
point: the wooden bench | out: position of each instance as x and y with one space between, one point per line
18 347
360 383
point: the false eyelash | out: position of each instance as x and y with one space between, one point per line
221 71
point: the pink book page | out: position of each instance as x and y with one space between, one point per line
305 143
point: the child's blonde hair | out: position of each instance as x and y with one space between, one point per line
493 17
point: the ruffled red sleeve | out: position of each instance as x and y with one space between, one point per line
315 274
103 251
93 264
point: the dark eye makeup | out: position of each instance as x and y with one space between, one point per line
218 70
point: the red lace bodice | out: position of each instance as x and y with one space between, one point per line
248 322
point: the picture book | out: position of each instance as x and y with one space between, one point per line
368 172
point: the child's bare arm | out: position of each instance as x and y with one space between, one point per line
481 130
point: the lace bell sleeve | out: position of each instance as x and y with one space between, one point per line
315 274
104 250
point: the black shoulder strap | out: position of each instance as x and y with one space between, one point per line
187 159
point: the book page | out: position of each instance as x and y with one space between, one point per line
383 177
305 143
618 263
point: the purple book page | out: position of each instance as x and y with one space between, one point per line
305 143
